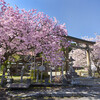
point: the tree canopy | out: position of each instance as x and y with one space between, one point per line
22 31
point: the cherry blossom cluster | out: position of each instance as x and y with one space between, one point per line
95 53
79 56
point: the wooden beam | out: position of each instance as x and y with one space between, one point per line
79 47
74 39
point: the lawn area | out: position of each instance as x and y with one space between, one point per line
84 73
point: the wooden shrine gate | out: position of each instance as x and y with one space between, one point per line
79 46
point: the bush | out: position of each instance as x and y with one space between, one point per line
44 75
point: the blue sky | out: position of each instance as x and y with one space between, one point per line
82 17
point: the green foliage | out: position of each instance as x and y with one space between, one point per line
97 75
16 57
60 68
2 67
69 49
39 54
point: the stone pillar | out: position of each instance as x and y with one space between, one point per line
62 70
88 61
50 75
8 73
41 75
37 78
34 67
22 73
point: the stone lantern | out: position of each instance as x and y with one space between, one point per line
41 69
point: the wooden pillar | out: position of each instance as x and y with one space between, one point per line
88 61
67 60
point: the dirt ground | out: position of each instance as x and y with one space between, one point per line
92 92
3 95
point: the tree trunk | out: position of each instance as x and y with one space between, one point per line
3 76
37 78
62 70
98 67
98 70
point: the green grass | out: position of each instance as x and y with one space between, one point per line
80 72
18 78
97 75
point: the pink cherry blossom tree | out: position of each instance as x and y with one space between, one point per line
96 53
21 31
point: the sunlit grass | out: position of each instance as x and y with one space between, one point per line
84 73
18 77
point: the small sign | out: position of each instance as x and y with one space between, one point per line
41 68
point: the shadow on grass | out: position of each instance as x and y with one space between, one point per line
74 91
